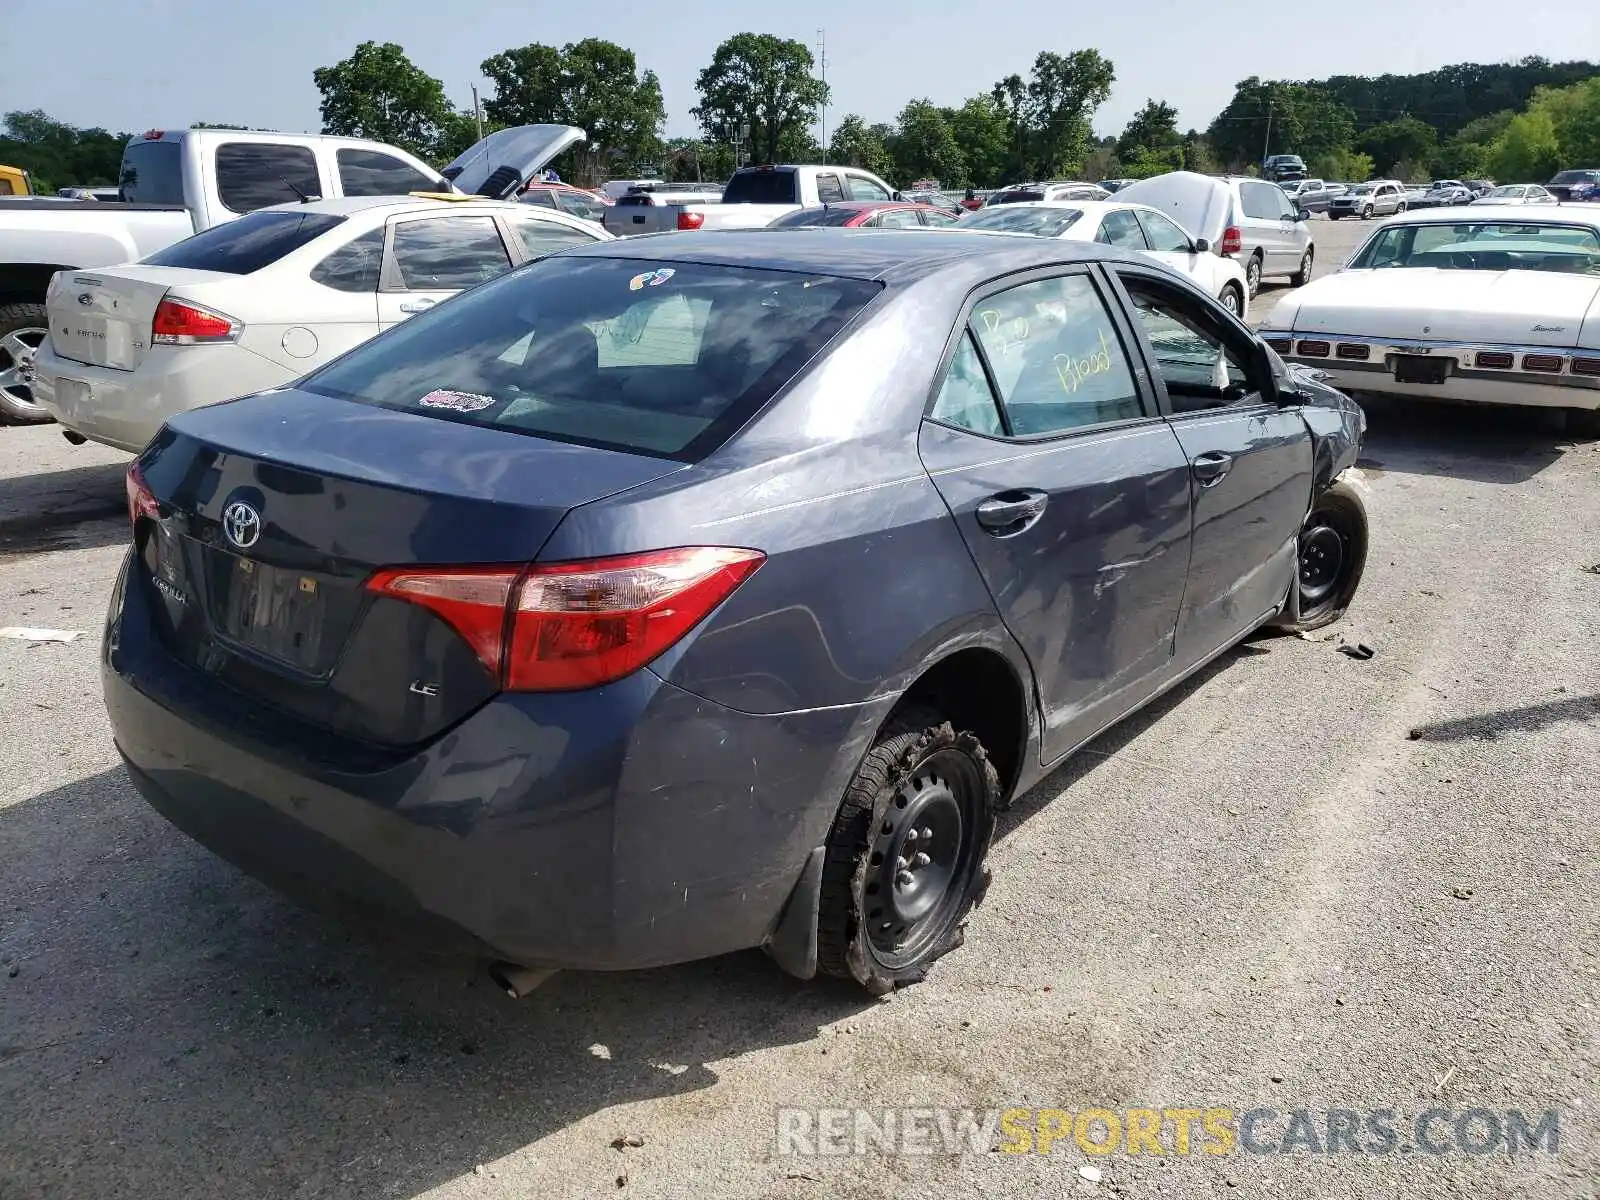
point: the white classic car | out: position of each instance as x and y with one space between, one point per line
1487 306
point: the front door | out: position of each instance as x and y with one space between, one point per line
1071 493
1250 462
431 258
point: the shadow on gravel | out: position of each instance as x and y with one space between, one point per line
1527 719
176 1029
1480 443
77 509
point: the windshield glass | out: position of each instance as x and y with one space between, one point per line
644 357
248 244
1485 246
1507 191
1045 222
1361 189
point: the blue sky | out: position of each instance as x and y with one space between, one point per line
133 64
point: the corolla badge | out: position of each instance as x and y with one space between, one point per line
241 524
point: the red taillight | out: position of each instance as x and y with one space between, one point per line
578 624
180 324
691 220
141 500
154 135
1232 240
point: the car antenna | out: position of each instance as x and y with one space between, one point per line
304 199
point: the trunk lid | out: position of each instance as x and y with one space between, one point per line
1525 308
499 165
104 318
276 509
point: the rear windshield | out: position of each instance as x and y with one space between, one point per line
1046 222
247 244
152 173
646 357
1485 246
761 187
810 217
1016 196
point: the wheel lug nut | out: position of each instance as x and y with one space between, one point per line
900 864
921 860
904 879
912 836
927 832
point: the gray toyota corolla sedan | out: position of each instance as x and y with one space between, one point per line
686 594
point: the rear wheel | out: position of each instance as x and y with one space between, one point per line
1332 557
1252 276
1232 299
23 328
904 860
1366 213
1303 276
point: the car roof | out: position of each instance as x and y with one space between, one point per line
895 256
1088 208
348 206
1565 214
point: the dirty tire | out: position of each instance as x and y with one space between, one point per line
921 776
1252 276
1232 300
1303 276
30 323
1332 557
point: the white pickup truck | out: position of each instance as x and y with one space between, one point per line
176 183
753 199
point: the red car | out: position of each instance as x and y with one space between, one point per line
563 197
875 214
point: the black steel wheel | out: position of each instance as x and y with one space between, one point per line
905 859
1332 556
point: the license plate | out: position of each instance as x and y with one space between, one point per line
1416 368
276 612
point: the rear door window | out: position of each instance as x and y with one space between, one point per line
152 173
252 242
1260 200
898 218
1121 228
448 253
761 187
666 359
252 175
373 173
356 266
862 188
1056 356
539 238
829 189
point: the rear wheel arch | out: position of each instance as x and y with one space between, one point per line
26 283
979 691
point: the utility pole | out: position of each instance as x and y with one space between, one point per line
822 74
1266 145
477 111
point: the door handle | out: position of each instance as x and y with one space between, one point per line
416 306
1006 514
1210 468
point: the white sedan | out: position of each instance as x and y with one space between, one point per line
1488 306
1516 193
1131 226
260 301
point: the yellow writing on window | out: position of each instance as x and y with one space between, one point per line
1009 333
1073 371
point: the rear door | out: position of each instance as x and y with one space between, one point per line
1071 493
1249 460
431 257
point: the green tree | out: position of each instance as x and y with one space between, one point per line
980 130
855 145
1064 93
925 146
1575 112
381 94
1345 165
1528 151
1403 140
765 83
1466 154
1270 117
1154 127
60 155
527 86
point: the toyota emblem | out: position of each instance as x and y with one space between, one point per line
241 524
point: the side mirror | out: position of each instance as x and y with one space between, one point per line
896 196
1202 246
1302 214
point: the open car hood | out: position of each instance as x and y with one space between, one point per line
499 165
1197 202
